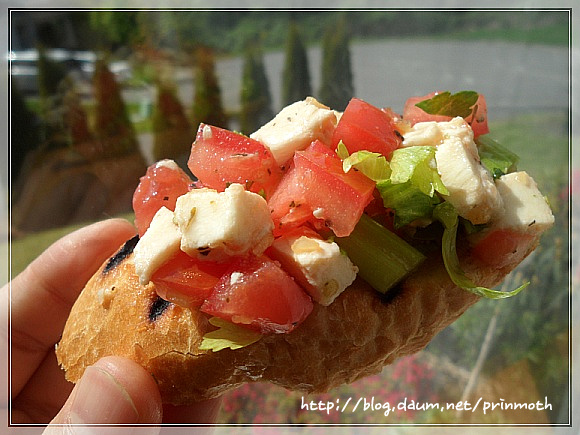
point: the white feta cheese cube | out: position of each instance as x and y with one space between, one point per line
472 190
215 225
525 208
423 134
318 265
296 127
159 243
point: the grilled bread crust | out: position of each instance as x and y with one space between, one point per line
358 334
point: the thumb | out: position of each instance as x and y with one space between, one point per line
114 391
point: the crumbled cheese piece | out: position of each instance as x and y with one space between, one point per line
471 187
159 243
318 265
215 225
105 296
525 208
167 163
423 134
296 127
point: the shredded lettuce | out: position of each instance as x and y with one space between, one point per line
408 202
447 215
497 159
410 190
374 165
417 165
228 335
447 104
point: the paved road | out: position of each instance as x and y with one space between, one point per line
514 77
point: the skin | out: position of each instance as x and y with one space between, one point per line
114 391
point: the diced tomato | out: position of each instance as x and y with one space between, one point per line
221 157
161 185
477 120
288 204
258 294
502 247
187 281
363 126
317 189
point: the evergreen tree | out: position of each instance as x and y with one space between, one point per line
74 117
256 101
50 75
337 81
172 132
24 131
207 104
296 78
113 128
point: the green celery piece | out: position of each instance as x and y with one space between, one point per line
496 158
382 257
447 215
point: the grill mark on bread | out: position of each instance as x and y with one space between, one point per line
157 308
121 254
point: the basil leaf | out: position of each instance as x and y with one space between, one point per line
446 104
228 335
497 159
447 215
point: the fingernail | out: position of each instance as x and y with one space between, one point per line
100 399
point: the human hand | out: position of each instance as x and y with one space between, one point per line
114 391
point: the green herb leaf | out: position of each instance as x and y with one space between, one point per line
417 165
229 335
446 104
447 215
374 165
497 159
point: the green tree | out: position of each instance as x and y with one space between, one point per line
113 128
295 78
207 104
50 75
116 28
172 131
24 131
74 116
256 101
337 80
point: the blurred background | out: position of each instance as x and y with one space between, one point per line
96 96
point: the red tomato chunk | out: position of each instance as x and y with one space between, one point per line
317 189
502 247
187 281
258 294
221 157
363 126
161 185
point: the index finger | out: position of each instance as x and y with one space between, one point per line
43 294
